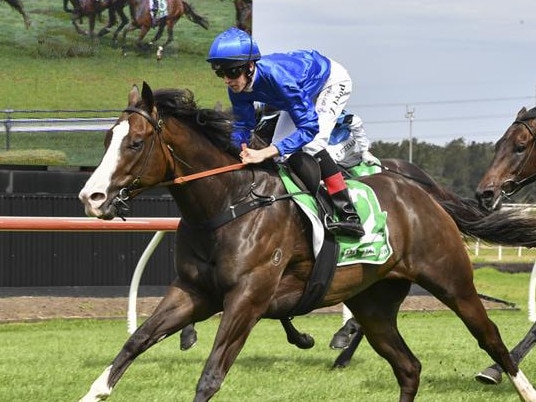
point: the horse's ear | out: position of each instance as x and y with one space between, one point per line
133 95
147 97
521 112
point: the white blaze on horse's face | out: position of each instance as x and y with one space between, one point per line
95 192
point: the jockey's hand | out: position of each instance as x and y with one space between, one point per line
249 155
368 158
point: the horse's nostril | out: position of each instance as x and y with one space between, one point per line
97 197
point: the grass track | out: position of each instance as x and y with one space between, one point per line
58 360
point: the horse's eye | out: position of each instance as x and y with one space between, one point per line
520 148
136 145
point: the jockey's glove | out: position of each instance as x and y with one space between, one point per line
368 158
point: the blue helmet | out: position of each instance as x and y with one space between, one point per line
232 48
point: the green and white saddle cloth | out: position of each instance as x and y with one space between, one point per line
374 246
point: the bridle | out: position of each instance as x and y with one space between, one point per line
120 200
511 186
242 207
134 188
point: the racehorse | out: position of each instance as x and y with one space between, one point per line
19 7
142 19
256 264
92 9
512 168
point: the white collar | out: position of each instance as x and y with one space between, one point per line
249 88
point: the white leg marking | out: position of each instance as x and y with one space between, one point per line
99 390
524 387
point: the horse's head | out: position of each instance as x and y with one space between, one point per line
514 163
134 158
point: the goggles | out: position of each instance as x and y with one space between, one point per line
232 73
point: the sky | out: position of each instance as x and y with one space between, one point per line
462 68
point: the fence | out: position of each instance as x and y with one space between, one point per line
66 224
10 124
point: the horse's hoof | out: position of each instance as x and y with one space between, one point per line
103 32
341 364
340 341
188 339
302 341
489 376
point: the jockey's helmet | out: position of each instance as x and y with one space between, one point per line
232 48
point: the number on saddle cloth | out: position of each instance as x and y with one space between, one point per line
158 10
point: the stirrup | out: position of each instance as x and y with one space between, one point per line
346 228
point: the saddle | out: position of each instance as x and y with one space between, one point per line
303 173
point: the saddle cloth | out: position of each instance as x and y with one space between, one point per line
159 9
374 246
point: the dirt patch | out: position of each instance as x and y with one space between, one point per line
34 308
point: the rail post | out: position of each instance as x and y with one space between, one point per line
7 124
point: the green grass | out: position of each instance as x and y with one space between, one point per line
58 360
51 67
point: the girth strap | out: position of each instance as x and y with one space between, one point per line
237 210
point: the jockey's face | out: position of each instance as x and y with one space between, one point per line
238 84
235 78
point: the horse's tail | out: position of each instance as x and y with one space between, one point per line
505 227
194 17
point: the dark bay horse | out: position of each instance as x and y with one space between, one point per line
257 265
512 168
92 9
19 7
142 19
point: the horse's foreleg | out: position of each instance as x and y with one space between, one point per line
159 31
77 26
493 374
170 33
124 22
112 20
175 311
92 18
237 321
143 32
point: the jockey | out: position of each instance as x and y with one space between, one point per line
311 91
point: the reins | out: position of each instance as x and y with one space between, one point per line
407 176
233 212
206 173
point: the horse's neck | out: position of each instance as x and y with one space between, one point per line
202 198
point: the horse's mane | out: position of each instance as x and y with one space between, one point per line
529 115
181 104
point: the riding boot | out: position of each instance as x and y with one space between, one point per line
348 223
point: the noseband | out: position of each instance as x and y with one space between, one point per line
119 202
511 186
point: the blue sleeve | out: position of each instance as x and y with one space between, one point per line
244 121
